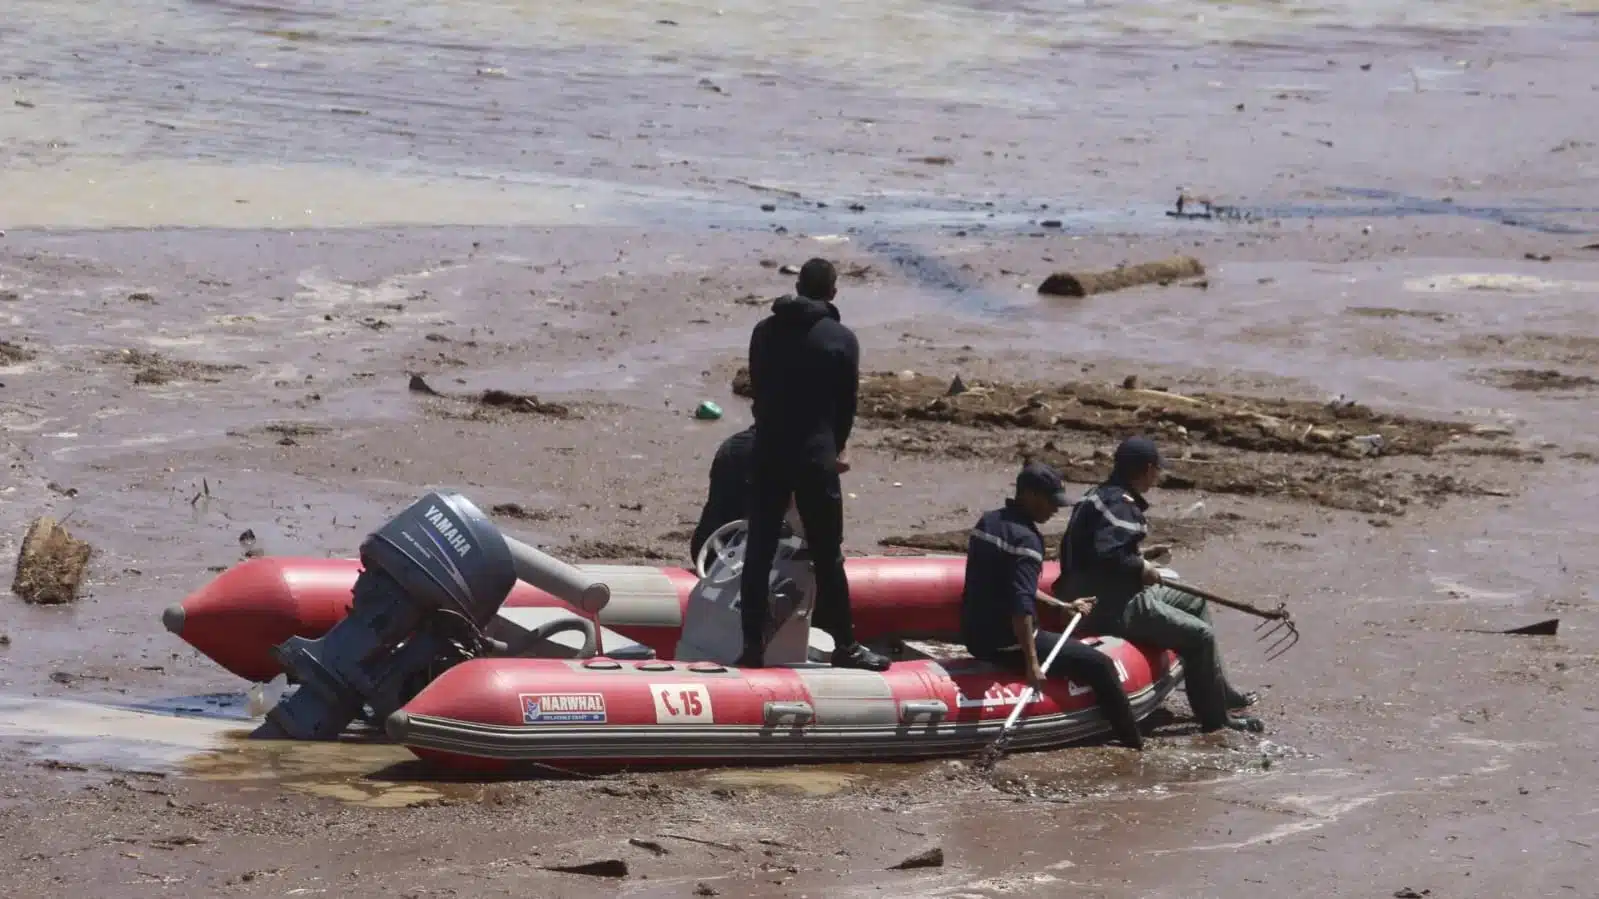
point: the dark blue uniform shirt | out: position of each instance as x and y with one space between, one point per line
1099 553
1004 557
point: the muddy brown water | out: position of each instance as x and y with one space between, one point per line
200 377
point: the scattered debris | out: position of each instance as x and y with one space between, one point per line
68 492
487 403
614 551
522 402
173 842
521 513
11 353
609 867
1174 532
704 889
141 297
1538 379
730 847
1300 450
153 369
707 411
1407 892
1082 284
1388 312
648 845
5 639
932 858
934 160
956 387
50 565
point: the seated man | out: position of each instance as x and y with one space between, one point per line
1100 557
1004 557
729 496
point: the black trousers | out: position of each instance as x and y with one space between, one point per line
1089 665
820 502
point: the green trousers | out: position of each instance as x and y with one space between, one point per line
1171 619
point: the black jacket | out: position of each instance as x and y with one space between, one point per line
805 369
1004 557
729 496
1099 554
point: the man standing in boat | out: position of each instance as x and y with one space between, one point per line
804 368
729 495
1004 558
1100 557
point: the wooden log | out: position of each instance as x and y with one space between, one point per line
50 565
1082 284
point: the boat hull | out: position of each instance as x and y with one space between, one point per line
237 618
493 714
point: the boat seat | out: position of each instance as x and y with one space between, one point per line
516 625
820 648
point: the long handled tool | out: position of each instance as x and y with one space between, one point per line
996 750
1277 618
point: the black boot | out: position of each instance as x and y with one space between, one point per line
753 656
1242 723
857 656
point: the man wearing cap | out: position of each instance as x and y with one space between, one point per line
1100 556
1004 557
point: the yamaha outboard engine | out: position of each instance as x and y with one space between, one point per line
431 581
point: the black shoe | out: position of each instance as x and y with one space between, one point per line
1236 722
751 657
857 656
1242 700
1246 723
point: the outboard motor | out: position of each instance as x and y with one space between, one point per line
432 579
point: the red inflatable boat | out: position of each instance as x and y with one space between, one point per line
238 617
489 714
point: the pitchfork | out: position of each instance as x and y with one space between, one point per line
1279 628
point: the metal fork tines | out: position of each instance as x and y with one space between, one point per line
1280 633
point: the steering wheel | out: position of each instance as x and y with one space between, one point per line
591 634
726 544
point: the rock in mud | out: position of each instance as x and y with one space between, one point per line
932 858
50 565
417 385
607 867
1082 284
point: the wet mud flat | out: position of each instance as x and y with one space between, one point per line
185 398
1386 720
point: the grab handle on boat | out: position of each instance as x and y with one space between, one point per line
562 581
591 635
935 709
799 712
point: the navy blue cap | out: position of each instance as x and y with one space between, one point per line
1136 454
1041 478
